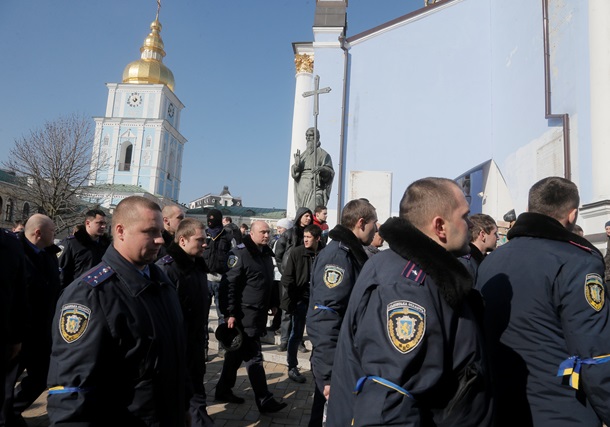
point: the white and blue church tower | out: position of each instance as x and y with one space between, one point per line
138 147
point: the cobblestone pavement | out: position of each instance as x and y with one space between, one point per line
298 396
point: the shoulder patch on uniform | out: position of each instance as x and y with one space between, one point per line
467 256
333 275
97 275
584 248
73 321
70 237
232 261
594 291
414 272
344 247
240 246
167 259
406 324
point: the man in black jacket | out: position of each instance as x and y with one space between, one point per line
334 273
295 298
185 266
250 280
219 242
42 291
85 248
483 239
410 352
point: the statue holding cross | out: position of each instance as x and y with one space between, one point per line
312 170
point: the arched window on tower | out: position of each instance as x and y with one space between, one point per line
26 211
9 211
125 164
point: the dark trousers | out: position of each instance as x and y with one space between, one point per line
198 411
285 328
214 290
297 319
35 358
250 353
317 407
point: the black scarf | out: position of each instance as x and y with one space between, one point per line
452 278
349 239
531 224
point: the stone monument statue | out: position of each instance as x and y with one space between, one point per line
313 174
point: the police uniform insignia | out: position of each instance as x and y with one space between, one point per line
333 275
232 261
73 321
594 291
167 259
406 324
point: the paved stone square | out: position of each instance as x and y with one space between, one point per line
298 396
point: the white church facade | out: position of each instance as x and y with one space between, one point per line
520 87
138 147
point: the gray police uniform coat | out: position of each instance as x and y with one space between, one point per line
118 350
545 301
410 340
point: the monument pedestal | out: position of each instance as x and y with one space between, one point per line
592 218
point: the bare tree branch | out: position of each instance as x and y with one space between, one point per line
55 161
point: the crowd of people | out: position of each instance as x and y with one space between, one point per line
441 328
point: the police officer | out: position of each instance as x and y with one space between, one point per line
250 280
185 266
546 315
334 273
118 338
42 291
84 248
409 351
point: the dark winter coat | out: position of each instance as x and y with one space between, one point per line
410 322
190 278
545 301
79 254
216 253
12 290
250 279
296 278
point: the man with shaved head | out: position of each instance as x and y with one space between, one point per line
410 346
250 280
42 291
119 352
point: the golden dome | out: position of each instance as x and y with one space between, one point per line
149 69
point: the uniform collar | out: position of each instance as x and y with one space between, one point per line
132 277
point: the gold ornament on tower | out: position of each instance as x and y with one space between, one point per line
149 69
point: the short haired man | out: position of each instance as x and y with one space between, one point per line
42 291
377 242
85 248
172 216
185 266
295 298
320 214
483 239
244 230
228 225
18 226
249 298
118 336
334 273
410 349
545 311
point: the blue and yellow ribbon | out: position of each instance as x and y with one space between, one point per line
61 389
323 307
572 365
383 382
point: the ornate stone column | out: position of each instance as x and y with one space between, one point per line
302 116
